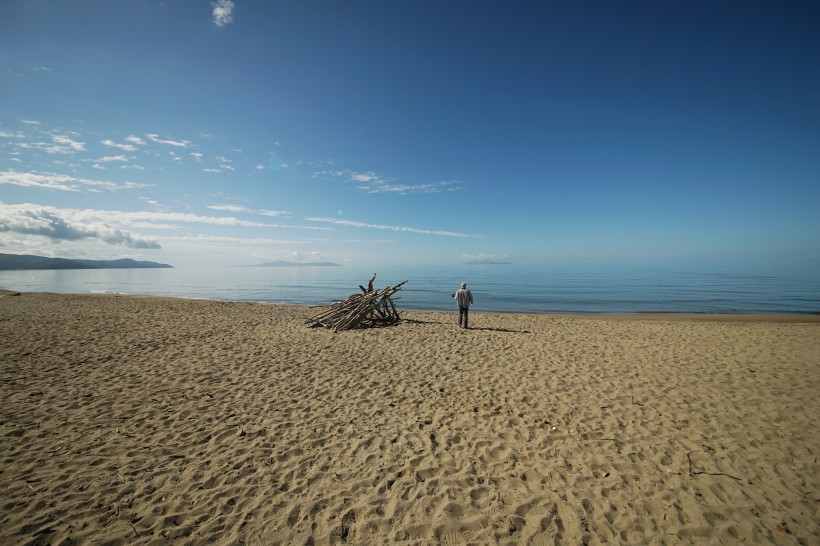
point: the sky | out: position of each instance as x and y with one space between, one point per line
200 133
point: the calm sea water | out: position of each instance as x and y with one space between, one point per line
506 288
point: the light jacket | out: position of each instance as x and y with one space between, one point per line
464 298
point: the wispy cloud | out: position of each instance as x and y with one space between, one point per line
127 218
228 208
164 220
133 139
52 181
65 145
224 239
60 144
356 224
169 142
371 182
65 225
107 159
222 12
239 208
124 147
224 164
218 169
110 158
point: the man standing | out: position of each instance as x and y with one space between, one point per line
464 299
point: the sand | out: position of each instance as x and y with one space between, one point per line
136 420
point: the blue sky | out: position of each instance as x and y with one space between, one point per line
227 133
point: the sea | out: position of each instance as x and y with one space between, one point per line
496 288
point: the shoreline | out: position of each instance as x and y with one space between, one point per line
800 317
143 419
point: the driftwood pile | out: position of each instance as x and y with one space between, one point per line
369 309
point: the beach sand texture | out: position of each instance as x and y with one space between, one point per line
137 420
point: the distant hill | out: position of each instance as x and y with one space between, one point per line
26 262
281 263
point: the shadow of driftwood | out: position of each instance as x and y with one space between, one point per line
500 330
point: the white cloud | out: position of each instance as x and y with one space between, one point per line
4 134
65 225
51 181
222 12
124 147
31 122
127 218
64 145
73 224
143 218
239 208
218 169
110 158
266 212
364 177
190 240
197 156
152 202
401 189
135 185
177 143
228 208
353 223
135 140
373 183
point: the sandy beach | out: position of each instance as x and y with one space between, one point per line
139 420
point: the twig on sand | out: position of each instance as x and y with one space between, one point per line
703 473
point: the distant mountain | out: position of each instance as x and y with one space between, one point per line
25 261
281 263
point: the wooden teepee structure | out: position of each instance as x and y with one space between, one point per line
368 309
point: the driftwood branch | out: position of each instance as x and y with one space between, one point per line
368 309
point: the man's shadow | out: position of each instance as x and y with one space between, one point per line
500 330
416 321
